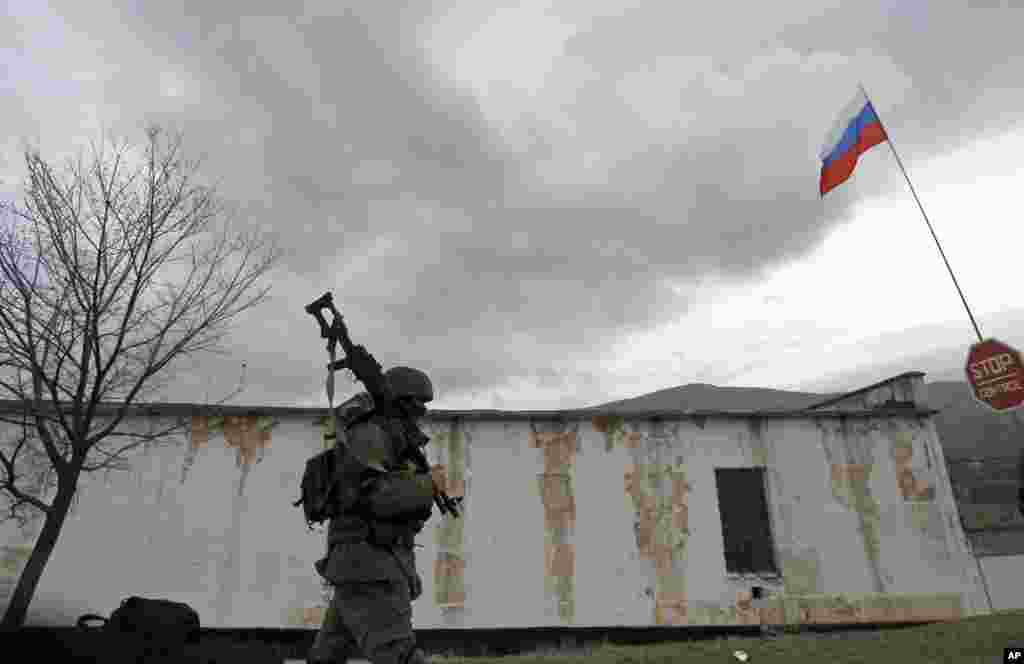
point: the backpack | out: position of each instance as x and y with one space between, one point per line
319 489
150 629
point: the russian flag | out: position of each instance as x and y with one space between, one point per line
857 130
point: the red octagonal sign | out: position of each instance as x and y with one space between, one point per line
996 375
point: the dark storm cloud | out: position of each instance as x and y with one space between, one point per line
452 250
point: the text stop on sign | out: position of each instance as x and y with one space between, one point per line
993 367
996 374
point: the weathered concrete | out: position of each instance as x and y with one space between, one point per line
576 518
1005 576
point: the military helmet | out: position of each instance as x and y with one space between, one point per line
408 382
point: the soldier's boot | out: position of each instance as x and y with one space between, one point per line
400 651
331 648
339 658
416 656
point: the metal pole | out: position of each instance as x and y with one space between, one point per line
1016 413
984 581
921 207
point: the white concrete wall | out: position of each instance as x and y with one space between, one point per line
863 520
1005 577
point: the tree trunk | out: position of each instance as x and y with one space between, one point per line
17 609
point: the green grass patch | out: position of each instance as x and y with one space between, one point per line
980 639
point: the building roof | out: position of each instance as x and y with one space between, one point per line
759 403
864 390
702 396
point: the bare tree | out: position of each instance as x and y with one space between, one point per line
110 272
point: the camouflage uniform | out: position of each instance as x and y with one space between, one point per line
371 564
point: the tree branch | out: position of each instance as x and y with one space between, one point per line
139 438
110 318
21 498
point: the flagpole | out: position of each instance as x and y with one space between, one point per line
899 162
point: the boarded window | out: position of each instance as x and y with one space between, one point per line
746 530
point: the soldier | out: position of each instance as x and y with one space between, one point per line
370 560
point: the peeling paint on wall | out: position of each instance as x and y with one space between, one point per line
911 487
202 427
851 458
306 616
613 428
847 480
927 519
825 609
243 433
449 581
555 487
449 481
709 613
452 450
660 500
663 465
801 574
758 450
248 434
200 431
746 614
742 611
850 486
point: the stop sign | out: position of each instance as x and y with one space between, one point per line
996 375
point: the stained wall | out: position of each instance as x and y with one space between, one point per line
585 518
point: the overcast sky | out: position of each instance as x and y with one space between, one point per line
558 204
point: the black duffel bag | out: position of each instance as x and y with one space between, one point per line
146 627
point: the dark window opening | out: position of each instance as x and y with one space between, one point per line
746 528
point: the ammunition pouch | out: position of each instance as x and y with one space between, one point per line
395 506
399 496
390 533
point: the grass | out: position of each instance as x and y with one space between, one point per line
972 640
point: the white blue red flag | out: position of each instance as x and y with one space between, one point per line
857 130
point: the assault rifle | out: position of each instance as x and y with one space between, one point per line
368 371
